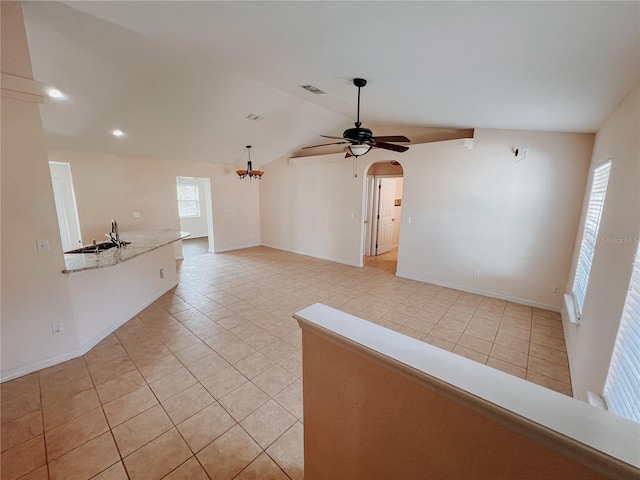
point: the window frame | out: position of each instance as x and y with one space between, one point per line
622 386
588 242
196 201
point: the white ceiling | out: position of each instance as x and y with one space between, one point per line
180 77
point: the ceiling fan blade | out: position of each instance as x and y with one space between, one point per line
348 155
335 138
392 138
391 146
324 145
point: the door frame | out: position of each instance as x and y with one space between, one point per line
370 202
208 204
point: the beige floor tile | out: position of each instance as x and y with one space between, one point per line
227 456
549 382
74 433
159 368
61 387
61 412
85 461
444 333
548 331
223 382
274 380
141 429
438 342
507 367
19 397
41 473
222 340
119 386
550 342
519 333
23 458
128 406
243 400
516 322
108 371
189 470
291 398
187 403
547 322
205 426
207 366
158 458
267 423
549 369
114 472
262 468
470 354
549 354
509 355
512 342
172 384
193 353
21 429
483 332
236 352
475 343
288 452
254 364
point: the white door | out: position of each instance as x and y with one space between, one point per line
386 198
66 209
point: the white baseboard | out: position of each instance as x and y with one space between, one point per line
237 247
314 255
78 352
521 301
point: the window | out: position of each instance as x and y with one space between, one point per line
188 200
590 234
622 389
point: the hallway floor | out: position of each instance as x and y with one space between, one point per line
206 382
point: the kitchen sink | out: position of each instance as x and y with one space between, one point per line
92 248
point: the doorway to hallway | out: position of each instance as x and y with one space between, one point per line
195 209
383 209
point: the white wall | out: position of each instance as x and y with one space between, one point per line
115 186
590 345
470 209
34 290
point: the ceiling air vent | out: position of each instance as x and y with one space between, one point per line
313 89
255 117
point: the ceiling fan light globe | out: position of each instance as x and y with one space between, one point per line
358 150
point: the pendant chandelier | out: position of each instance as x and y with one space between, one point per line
249 172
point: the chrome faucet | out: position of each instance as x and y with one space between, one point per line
114 230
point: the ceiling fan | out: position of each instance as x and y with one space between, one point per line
360 140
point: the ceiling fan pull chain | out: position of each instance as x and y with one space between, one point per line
355 167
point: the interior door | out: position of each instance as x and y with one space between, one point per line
386 197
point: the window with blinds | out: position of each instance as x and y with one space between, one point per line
622 389
590 234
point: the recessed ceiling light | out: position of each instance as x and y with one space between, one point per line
117 133
55 93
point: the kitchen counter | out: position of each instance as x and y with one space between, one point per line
142 241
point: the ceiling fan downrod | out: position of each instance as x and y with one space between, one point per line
359 82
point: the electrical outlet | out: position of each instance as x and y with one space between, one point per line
162 273
408 220
43 245
476 273
555 288
304 242
136 214
57 328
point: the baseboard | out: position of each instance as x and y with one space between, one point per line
314 255
237 247
78 352
521 301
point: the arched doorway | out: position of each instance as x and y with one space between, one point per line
383 210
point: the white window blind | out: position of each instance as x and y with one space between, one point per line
622 389
188 200
590 233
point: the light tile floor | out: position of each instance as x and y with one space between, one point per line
206 382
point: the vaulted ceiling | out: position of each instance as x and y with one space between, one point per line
179 77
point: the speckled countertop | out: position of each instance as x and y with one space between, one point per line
142 241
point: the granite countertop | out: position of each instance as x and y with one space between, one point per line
142 241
